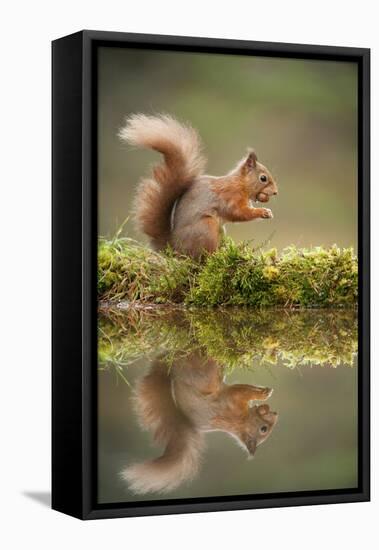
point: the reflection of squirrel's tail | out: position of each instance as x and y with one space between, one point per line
156 195
178 463
157 411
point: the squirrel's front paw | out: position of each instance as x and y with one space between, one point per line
266 213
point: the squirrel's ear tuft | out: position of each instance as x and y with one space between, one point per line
251 161
252 447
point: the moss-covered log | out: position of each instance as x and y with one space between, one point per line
235 275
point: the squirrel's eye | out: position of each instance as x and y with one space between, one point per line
263 429
263 178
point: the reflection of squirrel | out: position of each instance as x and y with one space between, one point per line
178 204
178 404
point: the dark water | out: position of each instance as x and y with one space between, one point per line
192 390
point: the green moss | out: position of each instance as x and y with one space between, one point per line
235 275
132 272
233 336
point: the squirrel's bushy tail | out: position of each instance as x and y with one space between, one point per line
178 463
156 195
157 411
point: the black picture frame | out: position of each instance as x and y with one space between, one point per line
74 315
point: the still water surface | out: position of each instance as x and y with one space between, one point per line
200 404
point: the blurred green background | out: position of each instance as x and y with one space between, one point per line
299 115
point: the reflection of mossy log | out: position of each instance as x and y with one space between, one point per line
234 275
233 336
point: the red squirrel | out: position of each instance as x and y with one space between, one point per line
180 206
180 403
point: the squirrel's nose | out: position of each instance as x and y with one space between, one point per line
275 193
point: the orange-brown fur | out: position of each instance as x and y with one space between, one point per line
180 205
178 404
